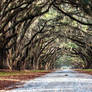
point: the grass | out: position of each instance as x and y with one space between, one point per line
6 73
10 73
87 70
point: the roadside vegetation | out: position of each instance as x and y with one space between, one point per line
14 79
12 73
89 70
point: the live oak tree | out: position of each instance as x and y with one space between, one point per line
28 39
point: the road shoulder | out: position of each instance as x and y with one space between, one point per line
14 79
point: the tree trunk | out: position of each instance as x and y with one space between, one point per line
2 59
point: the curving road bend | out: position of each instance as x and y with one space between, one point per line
59 81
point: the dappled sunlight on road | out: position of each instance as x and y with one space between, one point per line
59 81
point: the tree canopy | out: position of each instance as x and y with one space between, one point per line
34 34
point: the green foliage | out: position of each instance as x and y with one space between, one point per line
86 70
50 15
12 73
71 45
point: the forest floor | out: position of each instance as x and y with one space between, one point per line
13 79
87 71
